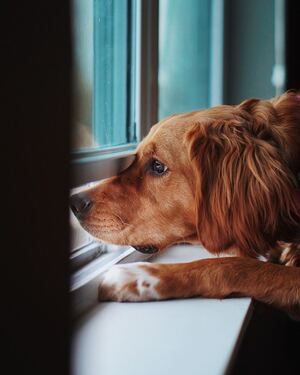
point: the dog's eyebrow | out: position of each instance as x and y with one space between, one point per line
148 151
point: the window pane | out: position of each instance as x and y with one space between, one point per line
184 55
104 89
82 73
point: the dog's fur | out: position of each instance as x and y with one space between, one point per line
231 185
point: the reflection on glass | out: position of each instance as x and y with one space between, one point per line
82 27
103 80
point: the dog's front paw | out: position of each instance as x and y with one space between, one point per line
129 282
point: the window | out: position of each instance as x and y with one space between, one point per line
82 74
137 61
104 94
191 38
185 33
104 73
111 52
124 80
105 79
134 63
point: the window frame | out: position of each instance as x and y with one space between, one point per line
217 53
95 164
90 165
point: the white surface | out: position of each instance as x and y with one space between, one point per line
194 336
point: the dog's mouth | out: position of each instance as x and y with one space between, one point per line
146 249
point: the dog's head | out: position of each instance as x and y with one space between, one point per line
223 177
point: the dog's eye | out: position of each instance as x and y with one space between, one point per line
158 168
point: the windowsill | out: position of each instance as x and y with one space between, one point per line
180 336
85 280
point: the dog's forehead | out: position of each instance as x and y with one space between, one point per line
165 138
169 133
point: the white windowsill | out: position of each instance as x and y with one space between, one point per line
192 336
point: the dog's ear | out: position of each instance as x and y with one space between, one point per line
244 189
277 121
287 108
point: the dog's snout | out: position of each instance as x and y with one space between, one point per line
80 204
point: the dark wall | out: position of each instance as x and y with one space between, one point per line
249 49
268 346
35 120
292 44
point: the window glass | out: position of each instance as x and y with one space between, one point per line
184 55
104 66
83 54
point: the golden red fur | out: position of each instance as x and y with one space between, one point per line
231 184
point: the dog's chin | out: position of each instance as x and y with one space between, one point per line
111 236
146 249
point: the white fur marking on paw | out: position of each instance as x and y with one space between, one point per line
119 276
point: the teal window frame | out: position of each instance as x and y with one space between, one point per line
92 164
141 110
114 120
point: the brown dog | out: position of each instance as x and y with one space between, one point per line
225 177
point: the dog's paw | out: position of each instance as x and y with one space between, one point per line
129 282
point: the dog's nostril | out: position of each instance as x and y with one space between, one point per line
80 204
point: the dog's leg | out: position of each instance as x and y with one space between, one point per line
213 278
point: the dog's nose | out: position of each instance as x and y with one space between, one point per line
80 204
